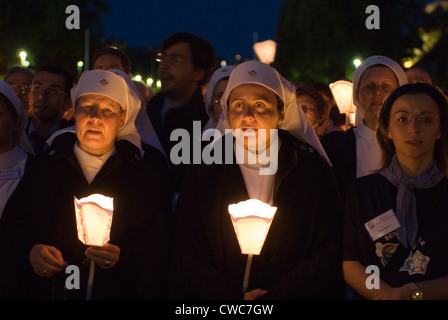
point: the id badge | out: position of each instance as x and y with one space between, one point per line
382 225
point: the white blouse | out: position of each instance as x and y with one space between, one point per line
259 186
90 164
368 152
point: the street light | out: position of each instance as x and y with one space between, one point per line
23 61
79 66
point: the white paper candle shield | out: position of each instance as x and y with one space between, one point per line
94 219
265 51
342 91
251 220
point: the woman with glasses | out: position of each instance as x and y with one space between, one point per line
39 231
19 78
396 219
213 94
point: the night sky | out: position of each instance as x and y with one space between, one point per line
232 26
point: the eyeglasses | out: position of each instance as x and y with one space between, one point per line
36 89
171 58
404 119
20 88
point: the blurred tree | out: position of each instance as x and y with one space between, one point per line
434 50
319 39
38 27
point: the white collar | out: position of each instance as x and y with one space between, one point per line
365 132
85 159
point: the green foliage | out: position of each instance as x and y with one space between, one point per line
318 39
39 28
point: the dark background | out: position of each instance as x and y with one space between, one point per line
317 40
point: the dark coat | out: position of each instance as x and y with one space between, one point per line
176 118
340 147
41 211
301 257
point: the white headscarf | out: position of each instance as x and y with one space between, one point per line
112 84
21 138
219 74
370 61
295 120
138 119
142 122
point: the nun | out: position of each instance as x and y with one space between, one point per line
301 255
213 94
103 156
16 152
355 153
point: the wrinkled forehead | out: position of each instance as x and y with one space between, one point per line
378 72
98 98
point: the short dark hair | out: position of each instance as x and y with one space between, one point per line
202 52
18 69
441 146
117 52
68 80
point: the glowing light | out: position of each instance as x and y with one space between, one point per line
342 91
265 51
251 220
408 64
149 82
94 219
80 64
23 54
357 62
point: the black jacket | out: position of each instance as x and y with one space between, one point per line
41 211
301 257
340 147
176 118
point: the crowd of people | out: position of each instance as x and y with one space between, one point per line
346 198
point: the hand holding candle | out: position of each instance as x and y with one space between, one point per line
93 222
105 256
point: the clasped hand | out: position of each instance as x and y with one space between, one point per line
47 260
